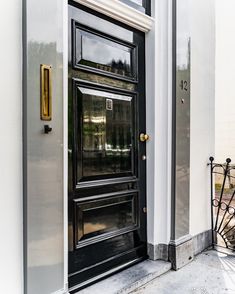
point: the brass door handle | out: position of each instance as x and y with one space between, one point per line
144 137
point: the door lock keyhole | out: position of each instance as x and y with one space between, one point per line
47 129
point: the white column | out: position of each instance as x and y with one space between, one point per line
158 62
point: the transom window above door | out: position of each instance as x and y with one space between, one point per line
141 5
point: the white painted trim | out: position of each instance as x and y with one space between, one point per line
158 123
121 12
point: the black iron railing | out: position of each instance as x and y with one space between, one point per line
223 204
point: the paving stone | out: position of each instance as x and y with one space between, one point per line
211 272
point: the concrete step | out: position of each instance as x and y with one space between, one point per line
130 279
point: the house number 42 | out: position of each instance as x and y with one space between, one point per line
184 85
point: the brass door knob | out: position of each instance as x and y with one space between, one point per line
144 137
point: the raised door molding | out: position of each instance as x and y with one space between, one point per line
121 12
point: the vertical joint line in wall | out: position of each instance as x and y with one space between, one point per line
24 141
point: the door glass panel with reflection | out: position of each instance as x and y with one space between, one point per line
107 128
103 54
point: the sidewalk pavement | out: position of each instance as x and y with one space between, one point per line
211 272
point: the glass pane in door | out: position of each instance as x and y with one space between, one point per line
107 133
95 51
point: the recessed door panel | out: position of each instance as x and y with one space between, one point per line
104 218
107 185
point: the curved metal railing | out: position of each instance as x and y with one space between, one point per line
223 203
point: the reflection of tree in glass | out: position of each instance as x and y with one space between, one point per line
122 67
115 66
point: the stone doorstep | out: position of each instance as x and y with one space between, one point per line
129 279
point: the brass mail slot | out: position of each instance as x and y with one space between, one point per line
46 92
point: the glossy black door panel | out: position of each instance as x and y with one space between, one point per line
104 217
107 185
122 254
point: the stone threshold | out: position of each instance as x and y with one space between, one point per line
129 279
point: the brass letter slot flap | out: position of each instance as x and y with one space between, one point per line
46 92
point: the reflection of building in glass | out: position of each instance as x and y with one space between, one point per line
98 52
106 135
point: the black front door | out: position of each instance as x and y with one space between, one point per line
107 167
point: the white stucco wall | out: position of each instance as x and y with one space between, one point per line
202 111
11 211
225 71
